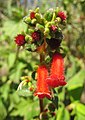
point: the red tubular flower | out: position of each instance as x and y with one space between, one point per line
32 15
42 86
36 36
57 72
20 40
62 15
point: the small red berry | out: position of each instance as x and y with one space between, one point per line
62 15
20 40
32 15
53 28
36 36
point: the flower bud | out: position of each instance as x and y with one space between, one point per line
33 21
20 40
37 10
49 15
36 36
32 15
27 20
47 31
58 20
53 28
38 16
28 38
30 31
62 15
40 27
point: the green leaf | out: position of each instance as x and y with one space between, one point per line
15 74
79 117
11 59
80 112
14 99
80 108
26 108
24 92
3 112
12 28
77 80
4 90
75 94
63 114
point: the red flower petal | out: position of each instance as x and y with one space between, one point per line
32 15
56 77
20 40
42 86
36 36
53 28
57 66
62 15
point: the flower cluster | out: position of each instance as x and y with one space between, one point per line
45 34
56 78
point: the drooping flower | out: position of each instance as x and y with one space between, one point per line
56 77
20 40
32 15
62 15
35 36
42 86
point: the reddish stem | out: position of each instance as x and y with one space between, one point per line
41 105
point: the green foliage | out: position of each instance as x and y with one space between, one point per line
63 114
14 106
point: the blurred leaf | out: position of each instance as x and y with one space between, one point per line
11 59
75 94
24 92
26 108
14 99
80 108
80 112
16 72
4 90
62 114
12 28
3 112
79 117
77 80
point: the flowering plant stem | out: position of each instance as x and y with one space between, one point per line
41 100
41 105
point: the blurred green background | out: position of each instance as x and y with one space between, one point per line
72 96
